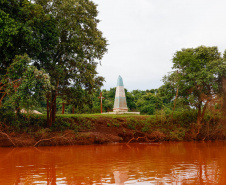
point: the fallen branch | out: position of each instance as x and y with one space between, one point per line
137 139
48 139
7 137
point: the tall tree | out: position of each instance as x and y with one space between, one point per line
200 70
224 85
24 28
74 59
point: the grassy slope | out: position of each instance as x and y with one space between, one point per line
104 128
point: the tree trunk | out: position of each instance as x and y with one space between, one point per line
175 101
224 95
204 110
2 96
199 118
53 107
50 115
63 108
201 114
48 111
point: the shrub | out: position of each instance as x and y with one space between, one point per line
157 136
132 123
146 127
178 134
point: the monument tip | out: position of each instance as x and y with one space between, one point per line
120 81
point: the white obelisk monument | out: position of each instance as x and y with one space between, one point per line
120 104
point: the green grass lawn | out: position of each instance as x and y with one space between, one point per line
104 115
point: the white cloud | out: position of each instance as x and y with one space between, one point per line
143 35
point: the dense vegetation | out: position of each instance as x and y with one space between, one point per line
49 51
195 84
60 41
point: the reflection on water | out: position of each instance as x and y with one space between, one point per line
120 177
160 163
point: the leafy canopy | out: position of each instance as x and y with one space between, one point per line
200 70
24 84
24 28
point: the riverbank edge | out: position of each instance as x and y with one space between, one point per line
99 129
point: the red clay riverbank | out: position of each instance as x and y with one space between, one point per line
101 134
101 130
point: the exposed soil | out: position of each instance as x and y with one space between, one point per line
101 130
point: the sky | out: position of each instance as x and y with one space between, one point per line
143 36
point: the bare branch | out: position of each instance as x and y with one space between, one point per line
137 139
48 139
7 137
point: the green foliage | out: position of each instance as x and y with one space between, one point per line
132 123
185 117
79 44
177 128
199 70
146 102
24 28
178 134
147 109
108 101
146 127
130 99
21 122
60 37
149 102
25 85
73 60
61 124
116 124
197 78
49 51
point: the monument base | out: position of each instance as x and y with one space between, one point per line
120 109
118 112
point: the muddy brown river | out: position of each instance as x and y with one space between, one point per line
158 163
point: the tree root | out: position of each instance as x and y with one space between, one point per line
145 137
8 137
49 139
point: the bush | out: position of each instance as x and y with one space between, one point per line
178 134
157 136
132 123
185 117
146 127
147 109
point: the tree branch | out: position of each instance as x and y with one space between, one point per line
137 139
48 139
7 137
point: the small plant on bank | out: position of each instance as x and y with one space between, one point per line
146 127
116 124
42 133
132 123
157 136
178 134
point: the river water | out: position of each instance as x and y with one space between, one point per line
157 163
